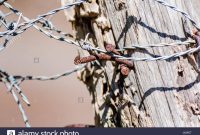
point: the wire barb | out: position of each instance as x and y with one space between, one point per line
43 24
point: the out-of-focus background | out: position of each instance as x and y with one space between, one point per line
53 103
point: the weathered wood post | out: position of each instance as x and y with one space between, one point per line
154 94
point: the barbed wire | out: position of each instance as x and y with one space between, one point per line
54 77
14 81
167 57
15 28
2 1
188 42
165 3
88 46
30 23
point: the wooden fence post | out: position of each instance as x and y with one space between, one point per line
154 94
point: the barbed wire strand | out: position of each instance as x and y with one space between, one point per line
165 3
31 22
54 77
187 42
9 86
20 108
46 23
40 29
2 1
14 81
11 81
90 47
167 57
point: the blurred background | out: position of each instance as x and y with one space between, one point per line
53 103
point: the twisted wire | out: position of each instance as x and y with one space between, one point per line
187 42
165 3
30 23
88 46
2 1
14 82
167 57
49 34
54 77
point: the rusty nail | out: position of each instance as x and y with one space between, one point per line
196 36
82 60
125 65
103 56
124 69
91 58
126 62
111 48
77 60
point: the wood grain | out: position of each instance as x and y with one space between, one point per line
155 94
